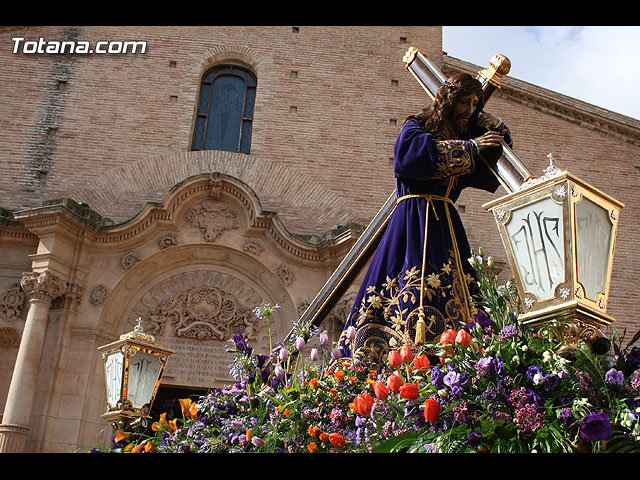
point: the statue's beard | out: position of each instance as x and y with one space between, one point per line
462 124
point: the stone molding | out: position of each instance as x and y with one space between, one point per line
42 286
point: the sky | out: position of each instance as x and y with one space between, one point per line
599 65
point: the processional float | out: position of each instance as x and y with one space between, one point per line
558 232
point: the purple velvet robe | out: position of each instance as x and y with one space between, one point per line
385 310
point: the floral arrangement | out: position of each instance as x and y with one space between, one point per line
491 386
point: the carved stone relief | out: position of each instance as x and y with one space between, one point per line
252 246
11 303
167 241
128 260
195 313
212 219
284 273
98 295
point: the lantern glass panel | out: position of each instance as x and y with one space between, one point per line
144 370
594 232
113 367
536 236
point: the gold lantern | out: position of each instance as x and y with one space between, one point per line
133 368
559 234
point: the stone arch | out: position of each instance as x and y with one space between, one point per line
188 283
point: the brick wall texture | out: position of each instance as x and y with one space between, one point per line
115 130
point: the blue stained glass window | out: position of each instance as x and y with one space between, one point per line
225 110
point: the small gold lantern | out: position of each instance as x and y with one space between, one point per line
133 368
559 234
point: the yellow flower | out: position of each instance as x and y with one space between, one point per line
162 423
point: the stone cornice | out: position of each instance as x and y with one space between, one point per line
619 126
81 222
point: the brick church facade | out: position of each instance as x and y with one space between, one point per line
124 197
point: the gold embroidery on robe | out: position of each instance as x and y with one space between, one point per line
376 339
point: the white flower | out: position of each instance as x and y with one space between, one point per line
351 332
442 393
538 379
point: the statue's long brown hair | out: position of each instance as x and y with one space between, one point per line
432 118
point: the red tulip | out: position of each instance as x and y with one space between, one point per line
409 391
395 359
362 404
336 440
421 362
381 390
463 338
448 337
394 382
406 353
431 410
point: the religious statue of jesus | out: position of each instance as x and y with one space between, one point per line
419 282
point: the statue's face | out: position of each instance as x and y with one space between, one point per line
462 111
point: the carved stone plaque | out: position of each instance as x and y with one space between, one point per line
194 314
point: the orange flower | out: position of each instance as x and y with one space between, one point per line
395 358
362 404
163 424
431 410
332 390
380 390
323 436
189 408
312 447
448 337
313 382
337 440
339 375
409 391
406 354
286 412
353 379
120 435
312 431
463 338
394 382
373 374
421 362
248 435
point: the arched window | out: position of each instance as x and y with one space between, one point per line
225 110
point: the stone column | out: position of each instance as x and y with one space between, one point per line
42 288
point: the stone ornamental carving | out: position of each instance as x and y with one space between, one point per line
99 295
212 218
128 260
205 313
11 303
42 285
167 241
72 298
252 246
284 273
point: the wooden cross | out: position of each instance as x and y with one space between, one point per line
509 170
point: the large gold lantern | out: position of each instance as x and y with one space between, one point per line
559 234
133 368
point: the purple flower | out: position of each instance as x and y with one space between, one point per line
241 344
614 377
436 377
474 439
484 365
532 371
566 416
498 367
482 319
509 331
551 382
452 378
596 427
